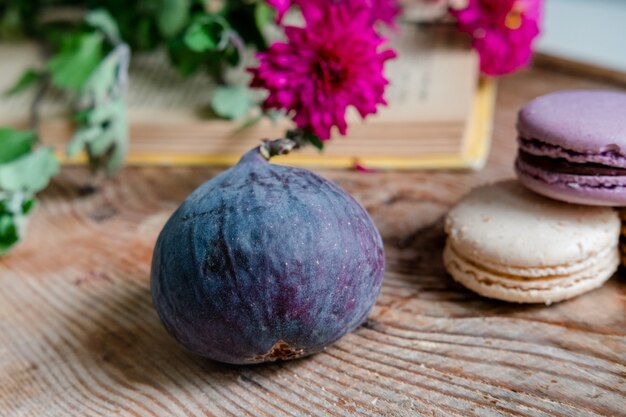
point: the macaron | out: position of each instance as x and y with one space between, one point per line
622 239
572 146
508 243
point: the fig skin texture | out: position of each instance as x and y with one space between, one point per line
265 262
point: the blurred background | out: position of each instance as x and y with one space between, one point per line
586 32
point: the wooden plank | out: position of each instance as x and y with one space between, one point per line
79 335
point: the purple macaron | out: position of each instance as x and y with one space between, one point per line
572 147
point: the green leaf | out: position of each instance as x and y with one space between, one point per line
247 124
12 25
78 58
27 205
15 143
28 79
144 34
30 173
172 16
105 78
82 137
232 56
185 60
98 85
117 156
314 140
274 115
231 101
101 144
106 113
304 136
243 20
101 19
9 233
14 211
102 124
263 15
208 33
104 135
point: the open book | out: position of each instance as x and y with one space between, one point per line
439 115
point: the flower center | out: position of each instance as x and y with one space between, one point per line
513 19
329 70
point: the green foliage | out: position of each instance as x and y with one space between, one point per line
24 171
263 15
79 56
315 141
207 33
231 101
102 123
304 137
24 168
209 44
101 20
199 36
15 143
104 136
247 21
172 16
28 79
10 21
29 173
14 211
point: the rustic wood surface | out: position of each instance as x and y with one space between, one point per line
79 335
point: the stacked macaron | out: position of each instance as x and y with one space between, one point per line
622 240
572 147
557 237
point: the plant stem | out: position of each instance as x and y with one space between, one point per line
36 104
271 148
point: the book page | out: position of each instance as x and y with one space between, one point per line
434 78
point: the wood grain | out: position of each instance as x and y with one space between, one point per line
79 335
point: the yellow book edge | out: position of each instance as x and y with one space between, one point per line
474 155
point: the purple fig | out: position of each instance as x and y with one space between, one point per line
266 262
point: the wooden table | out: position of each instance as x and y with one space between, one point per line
79 335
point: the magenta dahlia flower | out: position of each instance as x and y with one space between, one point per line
281 6
330 64
378 10
502 31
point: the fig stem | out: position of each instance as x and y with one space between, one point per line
271 148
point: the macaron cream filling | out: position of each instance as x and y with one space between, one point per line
539 272
564 166
571 180
610 155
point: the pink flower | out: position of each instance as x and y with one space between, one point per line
330 64
281 6
378 10
384 10
359 167
502 31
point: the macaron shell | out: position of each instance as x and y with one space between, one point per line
622 241
507 224
577 189
587 121
545 291
532 274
